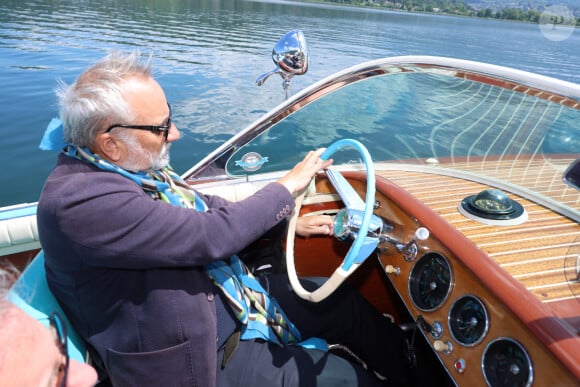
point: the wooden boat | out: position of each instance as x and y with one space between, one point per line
457 212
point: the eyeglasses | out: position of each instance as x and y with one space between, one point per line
58 325
151 128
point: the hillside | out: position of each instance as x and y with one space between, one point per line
565 12
538 5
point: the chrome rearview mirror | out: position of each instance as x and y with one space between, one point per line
290 53
290 57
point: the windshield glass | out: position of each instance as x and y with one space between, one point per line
493 128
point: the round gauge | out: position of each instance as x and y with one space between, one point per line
506 363
468 320
430 281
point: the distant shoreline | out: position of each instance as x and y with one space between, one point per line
381 8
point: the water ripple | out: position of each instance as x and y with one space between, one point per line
208 54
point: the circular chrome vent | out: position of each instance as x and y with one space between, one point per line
493 206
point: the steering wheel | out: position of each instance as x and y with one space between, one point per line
363 244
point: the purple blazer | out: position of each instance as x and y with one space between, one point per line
127 269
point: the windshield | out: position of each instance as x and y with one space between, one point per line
443 118
414 117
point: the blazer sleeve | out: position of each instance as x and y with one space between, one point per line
110 222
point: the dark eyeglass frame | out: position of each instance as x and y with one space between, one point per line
151 128
57 323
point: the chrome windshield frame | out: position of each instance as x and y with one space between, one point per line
555 90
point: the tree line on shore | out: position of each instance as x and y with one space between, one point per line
460 7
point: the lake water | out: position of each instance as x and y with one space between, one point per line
208 55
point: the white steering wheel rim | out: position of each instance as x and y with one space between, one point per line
341 273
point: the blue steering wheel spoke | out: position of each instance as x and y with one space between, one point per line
368 246
352 200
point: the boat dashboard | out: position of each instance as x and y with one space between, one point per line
484 327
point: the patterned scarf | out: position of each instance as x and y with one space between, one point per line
260 314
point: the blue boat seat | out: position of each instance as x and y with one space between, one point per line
32 295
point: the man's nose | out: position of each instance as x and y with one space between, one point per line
173 133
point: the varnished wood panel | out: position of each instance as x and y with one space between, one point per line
541 253
516 252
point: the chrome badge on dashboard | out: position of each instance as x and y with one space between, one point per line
252 161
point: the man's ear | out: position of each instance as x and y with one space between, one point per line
108 147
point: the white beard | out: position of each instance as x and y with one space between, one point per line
141 159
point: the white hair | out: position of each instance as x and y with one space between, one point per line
94 100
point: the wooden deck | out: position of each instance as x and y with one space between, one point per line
542 253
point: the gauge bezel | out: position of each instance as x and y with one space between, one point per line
485 330
530 380
413 276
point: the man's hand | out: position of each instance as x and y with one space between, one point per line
299 177
313 225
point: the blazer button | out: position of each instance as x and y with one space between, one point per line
210 297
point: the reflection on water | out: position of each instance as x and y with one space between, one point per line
208 55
